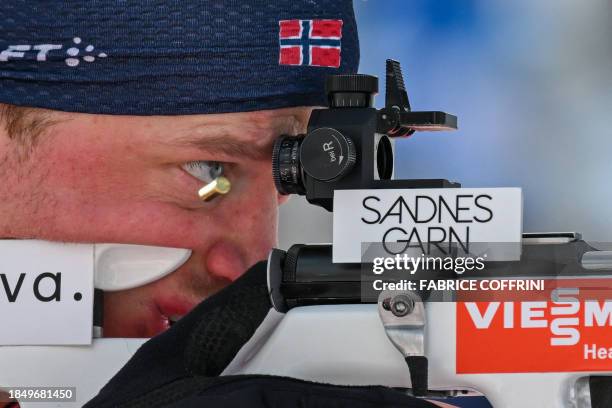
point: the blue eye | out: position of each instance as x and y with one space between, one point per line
204 170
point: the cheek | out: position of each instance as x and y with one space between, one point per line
90 193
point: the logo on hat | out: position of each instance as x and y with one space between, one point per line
310 42
41 51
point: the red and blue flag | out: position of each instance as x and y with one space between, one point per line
310 42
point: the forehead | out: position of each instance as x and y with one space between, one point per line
245 126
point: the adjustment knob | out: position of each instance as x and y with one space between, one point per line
286 167
351 90
327 155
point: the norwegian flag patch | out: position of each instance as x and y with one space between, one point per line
310 42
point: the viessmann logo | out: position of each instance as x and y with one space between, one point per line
73 55
568 328
562 316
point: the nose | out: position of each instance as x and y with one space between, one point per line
224 260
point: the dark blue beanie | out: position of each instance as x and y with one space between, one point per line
169 57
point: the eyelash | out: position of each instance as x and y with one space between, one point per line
204 170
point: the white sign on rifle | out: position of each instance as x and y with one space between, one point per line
46 293
461 217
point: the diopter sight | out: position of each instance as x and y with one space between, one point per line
347 146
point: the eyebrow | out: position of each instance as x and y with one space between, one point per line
226 145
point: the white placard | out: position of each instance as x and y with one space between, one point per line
476 215
46 293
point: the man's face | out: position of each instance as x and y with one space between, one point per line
102 178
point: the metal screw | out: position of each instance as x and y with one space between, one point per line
401 305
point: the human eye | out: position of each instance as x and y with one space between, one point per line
204 170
